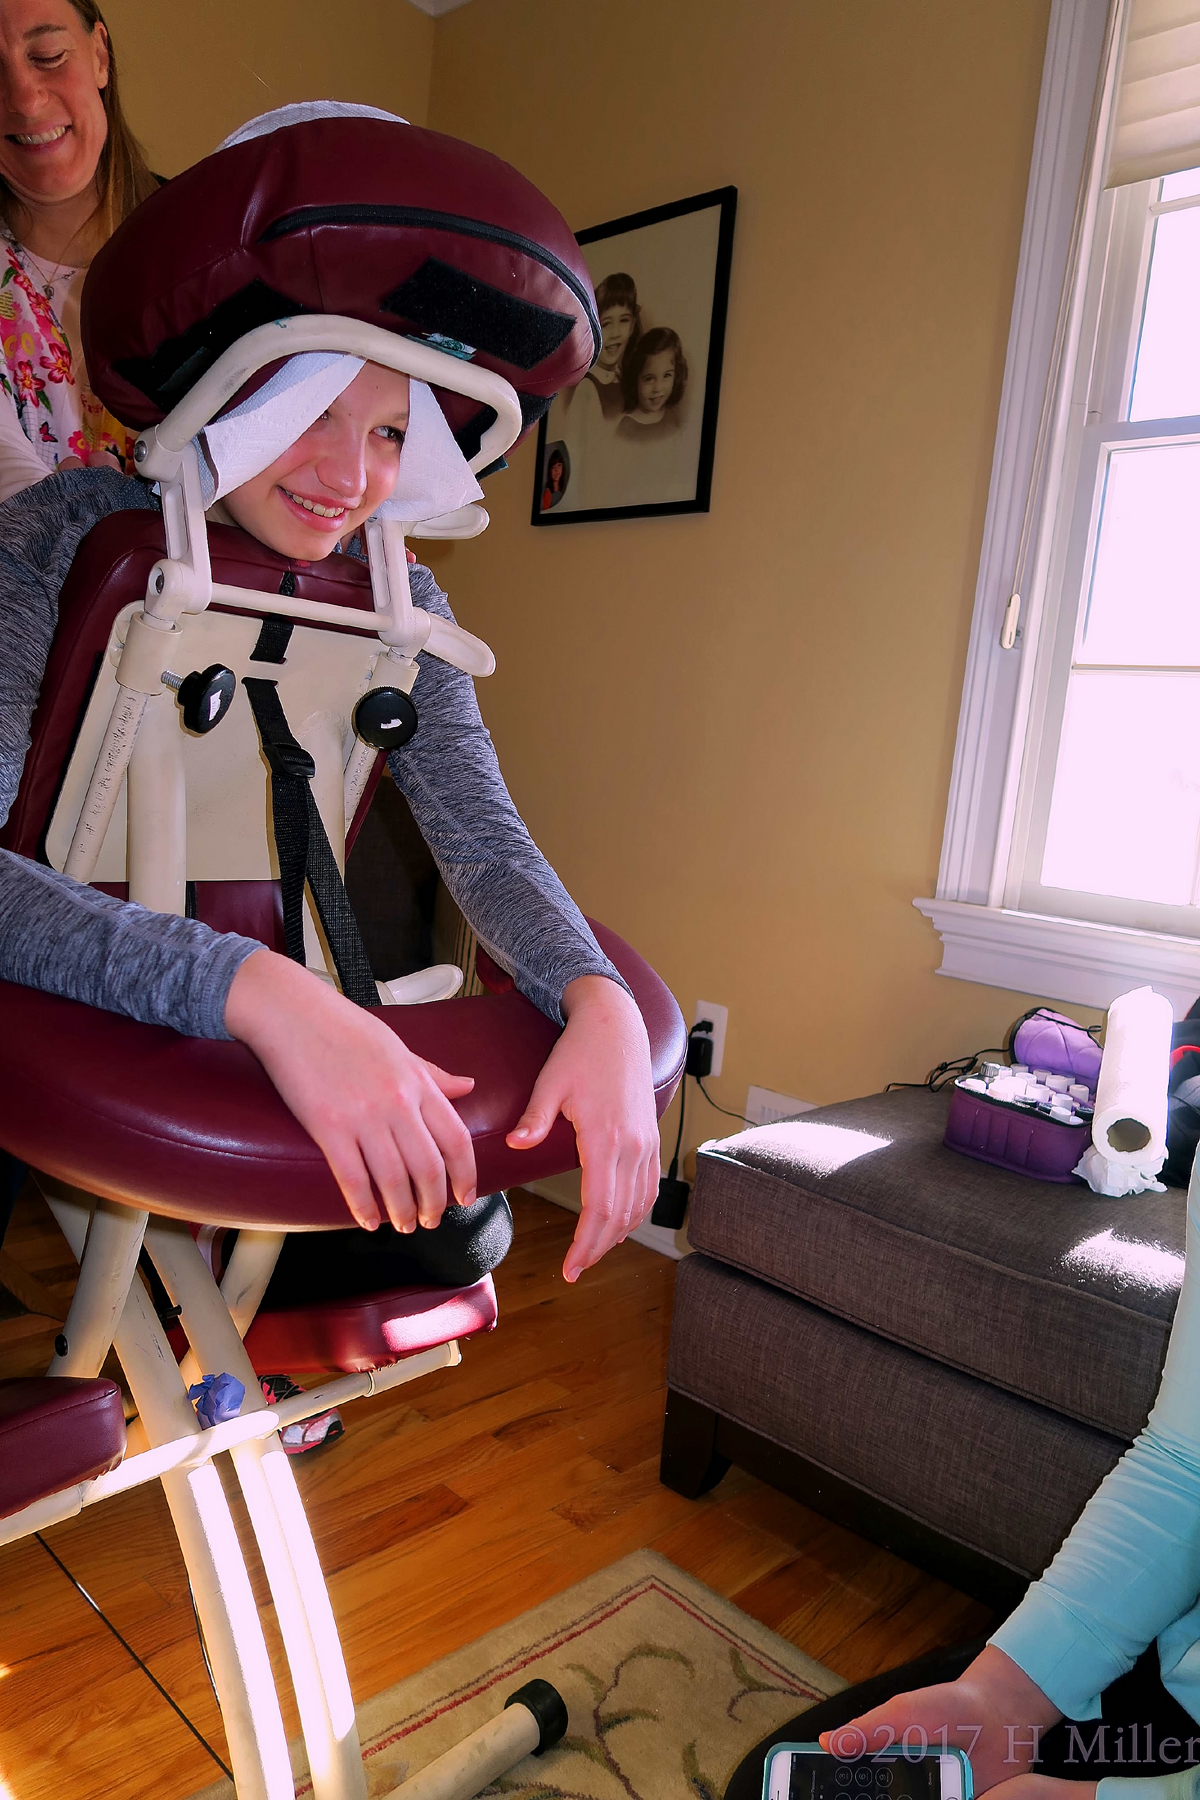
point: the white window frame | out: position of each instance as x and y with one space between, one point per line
985 937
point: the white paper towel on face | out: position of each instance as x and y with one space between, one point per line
243 442
434 476
1130 1123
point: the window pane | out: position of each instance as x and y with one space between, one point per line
1167 383
1125 818
1178 187
1144 606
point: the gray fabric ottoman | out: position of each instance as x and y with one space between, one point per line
945 1357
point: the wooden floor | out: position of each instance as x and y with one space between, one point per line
448 1508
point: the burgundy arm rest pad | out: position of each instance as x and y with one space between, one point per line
195 1130
368 1331
54 1433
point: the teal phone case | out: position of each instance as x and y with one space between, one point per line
897 1755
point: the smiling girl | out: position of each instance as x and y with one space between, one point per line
335 475
654 382
620 325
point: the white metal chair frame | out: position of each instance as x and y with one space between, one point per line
111 1307
182 583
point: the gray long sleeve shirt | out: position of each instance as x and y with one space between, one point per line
63 938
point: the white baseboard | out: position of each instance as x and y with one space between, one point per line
563 1190
661 1238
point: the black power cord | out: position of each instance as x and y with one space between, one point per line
957 1066
948 1071
671 1205
740 1117
126 1645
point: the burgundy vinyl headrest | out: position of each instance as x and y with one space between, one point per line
404 228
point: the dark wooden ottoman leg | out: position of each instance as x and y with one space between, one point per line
691 1463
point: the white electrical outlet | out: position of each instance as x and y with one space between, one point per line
719 1015
765 1107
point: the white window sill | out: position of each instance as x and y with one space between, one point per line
1062 959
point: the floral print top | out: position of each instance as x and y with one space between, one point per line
58 411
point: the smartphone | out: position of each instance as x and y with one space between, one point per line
806 1772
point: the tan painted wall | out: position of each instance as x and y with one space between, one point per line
191 70
733 734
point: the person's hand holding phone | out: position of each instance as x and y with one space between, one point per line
993 1712
808 1772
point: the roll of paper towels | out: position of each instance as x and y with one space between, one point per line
1130 1123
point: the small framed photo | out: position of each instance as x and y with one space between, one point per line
635 438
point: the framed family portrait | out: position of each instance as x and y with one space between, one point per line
636 437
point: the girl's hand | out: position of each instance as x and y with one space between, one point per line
598 1076
379 1114
993 1711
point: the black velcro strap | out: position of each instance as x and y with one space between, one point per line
274 638
177 365
438 297
304 851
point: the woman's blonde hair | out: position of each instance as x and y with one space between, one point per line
123 176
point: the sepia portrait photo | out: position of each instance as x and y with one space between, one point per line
636 436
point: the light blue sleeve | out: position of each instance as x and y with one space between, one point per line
1130 1567
1185 1785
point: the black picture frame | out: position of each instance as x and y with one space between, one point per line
584 462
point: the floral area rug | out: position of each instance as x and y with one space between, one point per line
667 1687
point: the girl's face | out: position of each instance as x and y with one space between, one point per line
616 328
52 120
330 480
656 383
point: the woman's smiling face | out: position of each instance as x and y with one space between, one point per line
333 478
53 126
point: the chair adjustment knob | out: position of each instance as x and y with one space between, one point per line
205 695
385 718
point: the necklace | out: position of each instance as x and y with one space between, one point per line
36 270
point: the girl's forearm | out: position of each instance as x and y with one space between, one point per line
62 938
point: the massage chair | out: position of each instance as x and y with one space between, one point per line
152 774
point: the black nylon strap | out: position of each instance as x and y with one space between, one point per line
289 817
304 850
274 636
336 914
283 753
